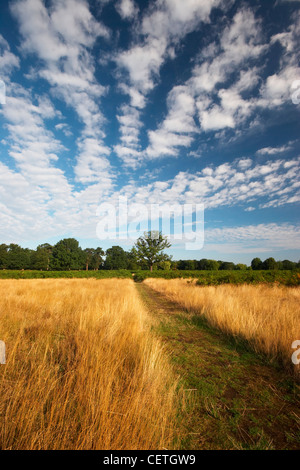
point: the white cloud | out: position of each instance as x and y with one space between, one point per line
277 88
174 18
253 238
274 150
92 165
177 127
239 42
61 38
8 60
127 9
143 63
129 149
215 118
163 25
230 184
221 106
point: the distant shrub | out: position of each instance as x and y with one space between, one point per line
208 278
204 278
287 278
30 274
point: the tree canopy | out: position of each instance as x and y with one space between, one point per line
147 253
150 248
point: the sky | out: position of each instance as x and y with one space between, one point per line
193 102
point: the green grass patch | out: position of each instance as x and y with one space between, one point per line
31 274
208 278
231 397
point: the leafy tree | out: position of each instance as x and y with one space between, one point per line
269 264
93 258
174 265
40 258
67 255
181 264
208 264
241 267
97 259
191 264
212 265
287 265
88 254
116 258
165 265
187 264
227 266
18 257
3 255
132 259
47 248
256 264
202 264
150 248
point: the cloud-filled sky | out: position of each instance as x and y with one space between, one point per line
163 102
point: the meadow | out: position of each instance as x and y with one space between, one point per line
204 278
219 277
83 369
265 316
160 364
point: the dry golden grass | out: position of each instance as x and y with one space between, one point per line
268 317
83 370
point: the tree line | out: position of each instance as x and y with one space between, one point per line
147 253
256 264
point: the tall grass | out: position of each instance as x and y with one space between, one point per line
268 317
83 370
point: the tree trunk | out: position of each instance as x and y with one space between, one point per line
151 267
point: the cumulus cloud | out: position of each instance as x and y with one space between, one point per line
127 9
61 37
221 81
163 25
239 42
274 150
260 238
8 60
224 90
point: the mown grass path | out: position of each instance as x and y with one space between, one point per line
237 400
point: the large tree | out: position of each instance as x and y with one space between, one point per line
256 264
40 258
150 248
97 259
116 258
93 258
3 256
67 255
18 257
269 264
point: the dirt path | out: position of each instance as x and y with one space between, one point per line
239 400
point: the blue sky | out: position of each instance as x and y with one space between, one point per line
163 102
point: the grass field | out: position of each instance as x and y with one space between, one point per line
239 399
83 369
215 278
204 278
163 364
72 274
268 317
